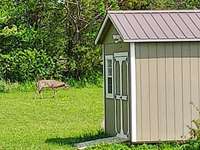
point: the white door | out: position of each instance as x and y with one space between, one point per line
121 103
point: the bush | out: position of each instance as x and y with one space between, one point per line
28 65
195 131
87 81
4 87
83 62
191 145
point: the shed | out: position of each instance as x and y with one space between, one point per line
151 73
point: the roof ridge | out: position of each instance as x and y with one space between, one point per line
153 11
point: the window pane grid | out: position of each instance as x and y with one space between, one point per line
109 76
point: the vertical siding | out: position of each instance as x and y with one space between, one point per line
178 90
109 117
161 91
186 87
167 81
199 77
144 64
138 93
110 47
153 94
194 79
170 92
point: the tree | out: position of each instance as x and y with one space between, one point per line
63 33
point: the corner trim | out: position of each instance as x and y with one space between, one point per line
133 93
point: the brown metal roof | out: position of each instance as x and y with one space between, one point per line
149 26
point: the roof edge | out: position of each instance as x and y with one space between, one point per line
109 18
103 26
101 30
161 40
154 11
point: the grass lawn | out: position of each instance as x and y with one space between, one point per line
49 123
74 115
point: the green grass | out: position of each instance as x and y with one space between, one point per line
50 123
28 122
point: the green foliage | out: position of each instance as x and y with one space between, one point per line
57 36
195 130
138 147
4 87
191 145
27 65
93 80
159 4
36 37
82 61
192 4
135 4
7 87
163 4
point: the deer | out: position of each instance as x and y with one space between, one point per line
52 84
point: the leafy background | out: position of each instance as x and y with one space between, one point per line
55 38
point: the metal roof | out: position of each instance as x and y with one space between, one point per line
154 26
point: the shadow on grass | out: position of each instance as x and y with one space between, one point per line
73 140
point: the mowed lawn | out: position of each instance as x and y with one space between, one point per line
49 123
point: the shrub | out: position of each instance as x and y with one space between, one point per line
30 64
191 145
83 63
195 131
27 65
25 87
194 142
4 87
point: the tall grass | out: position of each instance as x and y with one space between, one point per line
6 87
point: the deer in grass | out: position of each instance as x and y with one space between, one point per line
52 84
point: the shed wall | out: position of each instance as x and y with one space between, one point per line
110 47
168 80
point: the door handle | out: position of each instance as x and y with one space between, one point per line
117 97
124 97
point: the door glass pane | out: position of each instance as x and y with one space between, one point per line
117 77
124 78
109 71
110 85
109 63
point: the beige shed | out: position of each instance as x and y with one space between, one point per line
151 73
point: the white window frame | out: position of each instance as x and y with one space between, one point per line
108 95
